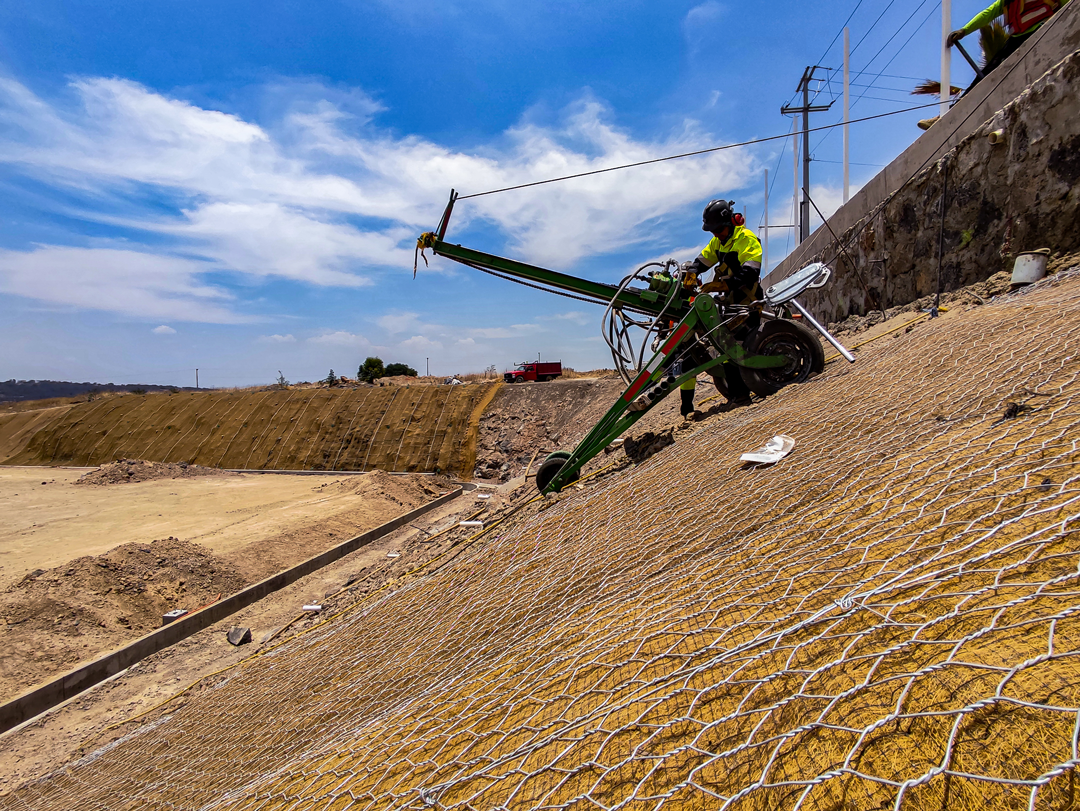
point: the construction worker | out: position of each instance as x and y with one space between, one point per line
735 253
1022 18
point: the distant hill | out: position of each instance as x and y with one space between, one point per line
13 391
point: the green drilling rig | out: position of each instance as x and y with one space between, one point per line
689 328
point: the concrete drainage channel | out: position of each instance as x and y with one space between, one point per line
43 698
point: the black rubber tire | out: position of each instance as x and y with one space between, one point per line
551 465
782 337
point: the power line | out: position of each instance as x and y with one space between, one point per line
899 51
691 154
838 33
872 27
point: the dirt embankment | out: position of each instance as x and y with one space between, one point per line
398 428
139 470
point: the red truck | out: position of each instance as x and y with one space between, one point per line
533 370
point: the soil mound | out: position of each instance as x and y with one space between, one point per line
54 618
407 491
139 470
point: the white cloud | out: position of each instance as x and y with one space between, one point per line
321 196
340 338
395 323
419 343
122 281
574 317
701 24
163 330
277 339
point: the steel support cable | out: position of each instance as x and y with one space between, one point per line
721 148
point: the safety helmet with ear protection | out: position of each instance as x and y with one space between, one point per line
719 213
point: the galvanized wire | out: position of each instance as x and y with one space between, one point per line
888 618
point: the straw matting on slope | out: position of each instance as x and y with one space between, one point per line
395 428
890 617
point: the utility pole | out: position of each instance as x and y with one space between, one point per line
427 367
946 78
765 242
847 116
806 109
196 378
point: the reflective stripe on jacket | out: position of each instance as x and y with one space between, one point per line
742 249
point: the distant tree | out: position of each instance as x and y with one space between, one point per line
138 390
92 395
173 390
282 383
331 379
371 370
395 369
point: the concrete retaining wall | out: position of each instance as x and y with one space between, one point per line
1000 200
48 695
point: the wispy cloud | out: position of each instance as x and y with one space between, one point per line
277 339
163 330
320 195
340 338
122 281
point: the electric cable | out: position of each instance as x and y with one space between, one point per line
750 142
873 26
881 73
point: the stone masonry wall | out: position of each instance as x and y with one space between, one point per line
1000 200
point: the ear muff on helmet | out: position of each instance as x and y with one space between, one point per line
716 215
739 219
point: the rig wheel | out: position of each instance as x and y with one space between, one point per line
805 356
551 465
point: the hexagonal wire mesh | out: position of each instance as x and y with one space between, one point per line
890 617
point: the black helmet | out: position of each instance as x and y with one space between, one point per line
717 214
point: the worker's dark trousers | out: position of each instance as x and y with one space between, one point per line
1009 48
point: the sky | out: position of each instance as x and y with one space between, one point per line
237 187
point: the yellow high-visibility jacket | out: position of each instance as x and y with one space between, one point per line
742 250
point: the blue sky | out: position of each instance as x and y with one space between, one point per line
238 186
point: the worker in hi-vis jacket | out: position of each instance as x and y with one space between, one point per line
735 253
1022 18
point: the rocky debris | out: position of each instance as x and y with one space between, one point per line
139 470
526 418
238 635
974 294
641 448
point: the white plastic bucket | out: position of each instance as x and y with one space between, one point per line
1030 266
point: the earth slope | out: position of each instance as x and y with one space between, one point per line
889 617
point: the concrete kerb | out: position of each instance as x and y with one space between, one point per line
40 699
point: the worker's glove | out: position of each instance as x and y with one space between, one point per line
689 279
955 37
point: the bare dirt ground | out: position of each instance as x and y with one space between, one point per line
87 721
89 568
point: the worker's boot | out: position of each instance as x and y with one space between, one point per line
927 123
687 406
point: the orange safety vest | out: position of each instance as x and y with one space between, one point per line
1022 15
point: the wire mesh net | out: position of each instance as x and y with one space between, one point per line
889 618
